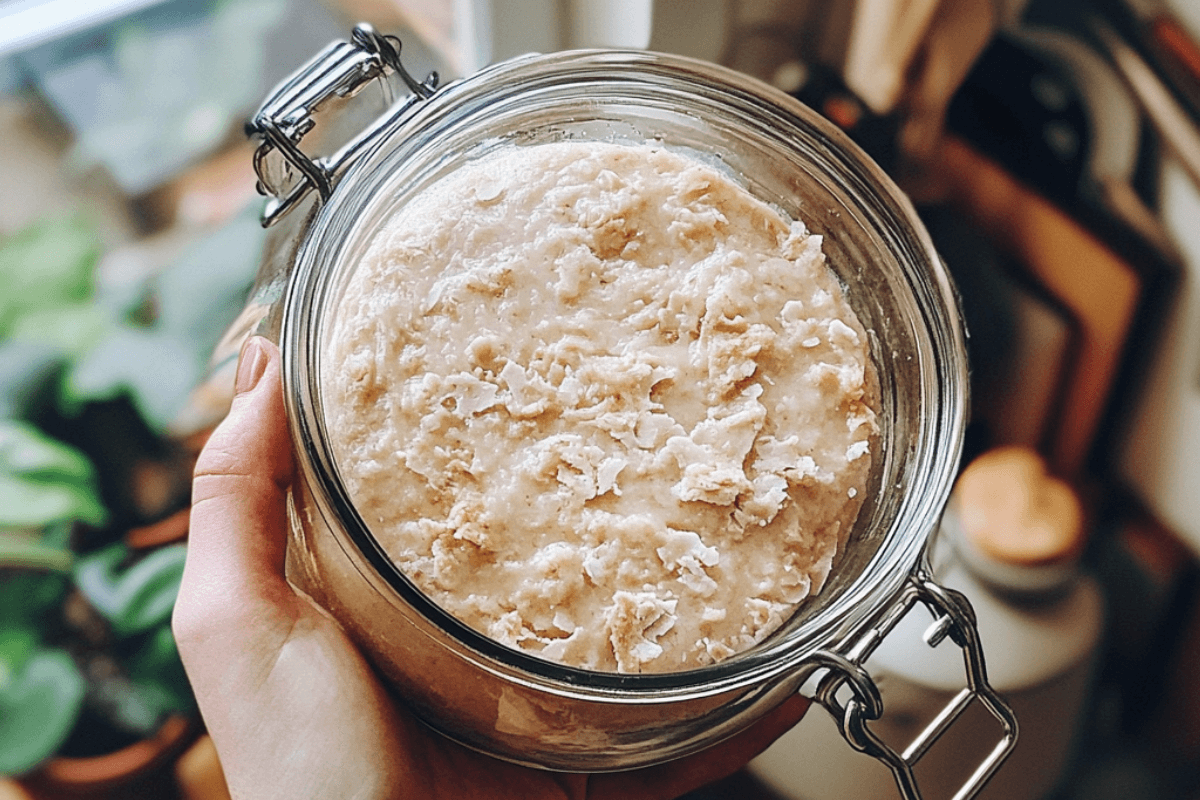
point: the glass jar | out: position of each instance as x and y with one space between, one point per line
514 705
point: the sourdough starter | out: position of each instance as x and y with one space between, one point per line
602 405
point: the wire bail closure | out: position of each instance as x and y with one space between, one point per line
285 173
953 618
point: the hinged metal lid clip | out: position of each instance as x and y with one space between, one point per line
954 619
341 70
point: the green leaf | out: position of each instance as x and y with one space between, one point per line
137 598
26 370
25 551
158 365
25 450
45 265
72 328
43 481
97 577
134 707
16 646
58 536
26 601
38 709
26 597
157 368
156 663
137 707
156 655
27 503
201 294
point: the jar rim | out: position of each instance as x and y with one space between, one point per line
942 356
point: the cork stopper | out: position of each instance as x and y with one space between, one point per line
1012 511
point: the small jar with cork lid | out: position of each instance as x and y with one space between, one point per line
1016 528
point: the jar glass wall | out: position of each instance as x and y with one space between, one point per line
516 705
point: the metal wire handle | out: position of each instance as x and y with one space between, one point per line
953 617
341 70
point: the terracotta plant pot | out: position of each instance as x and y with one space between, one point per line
143 770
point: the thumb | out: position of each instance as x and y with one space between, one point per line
238 527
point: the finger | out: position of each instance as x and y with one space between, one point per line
679 777
238 529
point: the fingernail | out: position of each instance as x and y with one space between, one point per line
251 365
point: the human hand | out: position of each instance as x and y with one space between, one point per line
292 706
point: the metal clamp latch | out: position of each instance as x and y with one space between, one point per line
341 70
953 617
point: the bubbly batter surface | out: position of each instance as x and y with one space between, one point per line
602 404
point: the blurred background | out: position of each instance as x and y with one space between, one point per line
1051 146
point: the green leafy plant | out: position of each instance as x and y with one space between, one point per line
41 687
97 341
42 482
62 614
134 677
134 594
84 620
41 705
47 267
44 487
47 313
